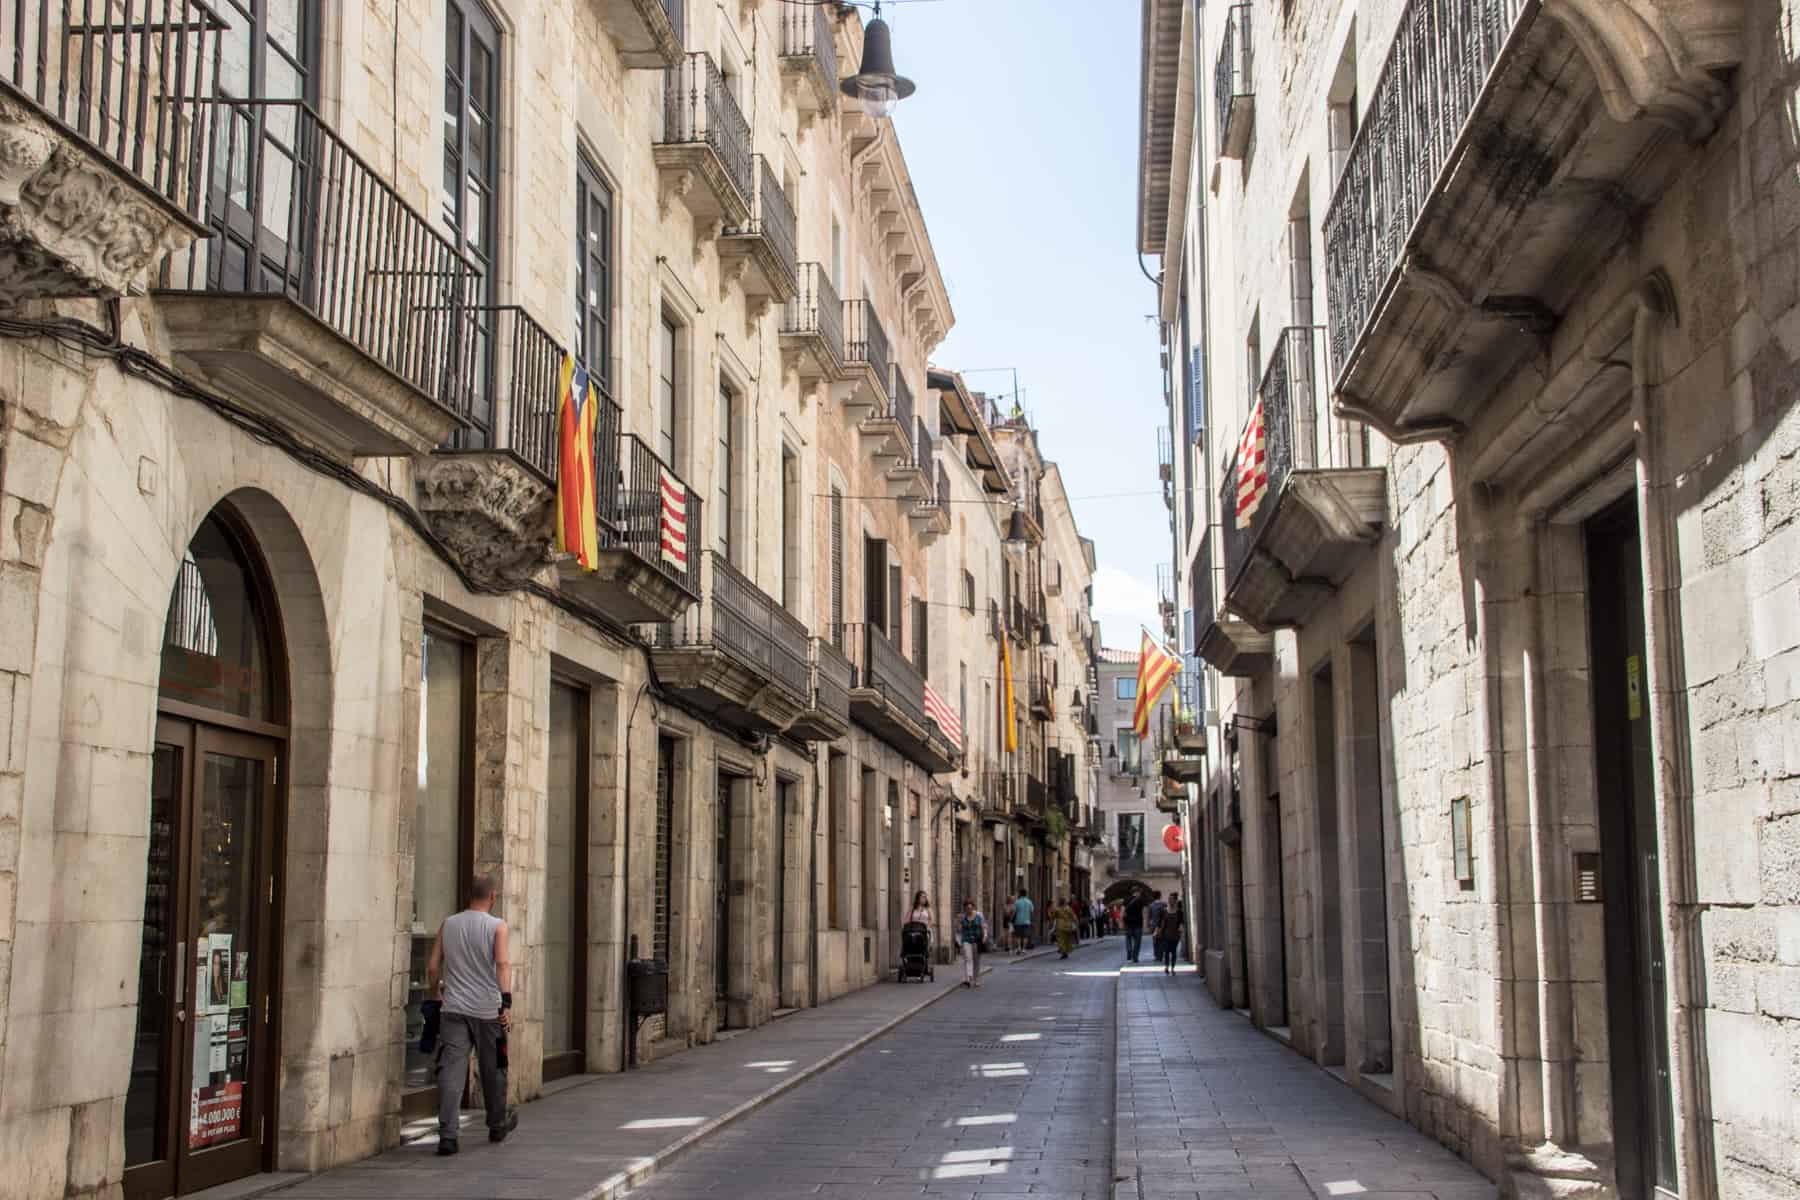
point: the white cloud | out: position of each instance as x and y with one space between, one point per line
1122 602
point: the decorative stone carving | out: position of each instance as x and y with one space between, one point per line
71 224
491 512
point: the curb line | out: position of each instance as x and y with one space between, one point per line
1126 1187
620 1182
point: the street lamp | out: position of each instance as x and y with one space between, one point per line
876 84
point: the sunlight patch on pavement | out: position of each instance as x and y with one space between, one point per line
1113 974
1022 1037
1345 1187
999 1070
664 1123
773 1066
970 1164
988 1119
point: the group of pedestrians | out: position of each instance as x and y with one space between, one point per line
1167 921
1070 920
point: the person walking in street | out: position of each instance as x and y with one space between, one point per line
921 909
470 971
971 935
1133 918
1062 920
1168 933
1007 928
1022 911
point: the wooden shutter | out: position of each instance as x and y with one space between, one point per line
921 638
896 599
875 605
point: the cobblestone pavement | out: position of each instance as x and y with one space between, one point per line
1001 1091
1209 1106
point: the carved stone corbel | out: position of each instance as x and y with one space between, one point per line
675 186
1658 60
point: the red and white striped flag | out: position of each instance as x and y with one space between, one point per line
944 715
674 521
1252 468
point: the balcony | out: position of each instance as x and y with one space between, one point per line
866 360
1234 86
644 573
996 792
1043 697
1293 538
736 655
489 494
1169 795
888 433
703 156
887 697
104 137
1509 149
1034 801
322 300
812 327
647 32
1165 455
761 255
1183 748
827 717
1225 641
910 474
933 513
809 65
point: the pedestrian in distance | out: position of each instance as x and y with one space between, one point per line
1007 929
1168 933
1062 920
470 972
1023 911
971 935
1133 921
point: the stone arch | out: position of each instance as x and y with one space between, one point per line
1121 888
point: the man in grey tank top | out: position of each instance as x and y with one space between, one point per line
471 972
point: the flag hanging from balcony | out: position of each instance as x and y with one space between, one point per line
577 531
1252 468
674 520
944 715
1156 671
1008 721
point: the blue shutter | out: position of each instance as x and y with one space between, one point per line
1187 631
1196 403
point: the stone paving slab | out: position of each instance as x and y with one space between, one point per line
595 1139
1207 1105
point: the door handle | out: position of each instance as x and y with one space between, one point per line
180 981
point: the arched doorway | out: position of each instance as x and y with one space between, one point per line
198 1106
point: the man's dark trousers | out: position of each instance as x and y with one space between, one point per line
458 1034
1134 942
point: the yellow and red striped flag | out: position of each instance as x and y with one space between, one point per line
1008 720
1157 669
577 408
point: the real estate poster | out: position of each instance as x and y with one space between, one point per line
217 1115
218 997
240 979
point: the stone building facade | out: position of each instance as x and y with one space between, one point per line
291 652
1131 813
1496 815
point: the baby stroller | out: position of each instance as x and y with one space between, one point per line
915 953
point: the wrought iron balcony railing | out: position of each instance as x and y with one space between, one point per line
806 33
632 513
879 665
865 341
772 219
831 678
699 108
1291 397
294 211
1165 454
1165 587
1436 69
1037 795
1206 608
739 619
816 310
922 447
135 83
1233 86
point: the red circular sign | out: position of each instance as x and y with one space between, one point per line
1172 838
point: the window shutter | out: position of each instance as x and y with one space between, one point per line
875 604
896 601
837 568
1197 398
921 638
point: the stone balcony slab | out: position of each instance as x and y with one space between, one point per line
646 32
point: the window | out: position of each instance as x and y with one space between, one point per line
790 530
1128 750
668 337
593 266
837 567
968 592
837 257
1125 687
724 519
921 638
471 181
442 809
875 604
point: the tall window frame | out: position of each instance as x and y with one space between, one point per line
668 389
594 271
724 516
468 192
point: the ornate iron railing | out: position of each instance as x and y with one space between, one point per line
632 512
1206 609
1165 453
806 33
133 81
699 108
831 678
865 340
1037 795
876 663
772 218
741 620
294 211
900 401
1232 76
1441 59
816 310
922 447
1291 395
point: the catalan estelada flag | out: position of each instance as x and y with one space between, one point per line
577 408
1008 719
1252 468
1156 671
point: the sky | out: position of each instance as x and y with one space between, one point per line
1022 144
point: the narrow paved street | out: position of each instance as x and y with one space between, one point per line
1005 1090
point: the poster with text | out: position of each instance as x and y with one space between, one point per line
218 997
217 1115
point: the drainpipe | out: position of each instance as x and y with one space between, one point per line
812 882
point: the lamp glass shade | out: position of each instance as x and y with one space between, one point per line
876 85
